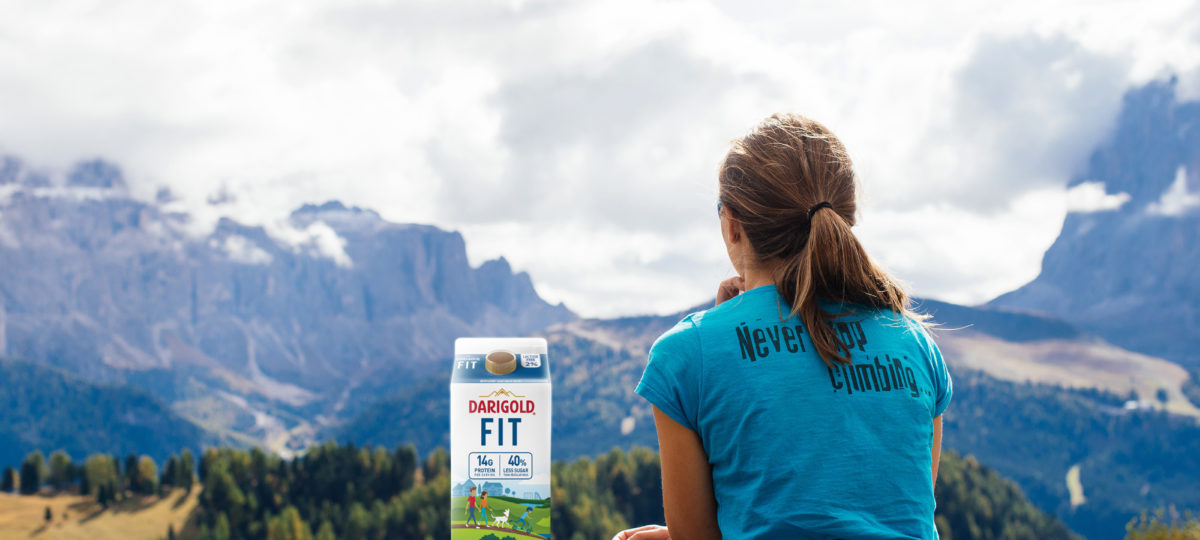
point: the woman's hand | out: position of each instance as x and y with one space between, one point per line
730 288
648 532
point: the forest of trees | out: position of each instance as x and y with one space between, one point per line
48 408
331 492
1130 460
343 491
1158 526
101 475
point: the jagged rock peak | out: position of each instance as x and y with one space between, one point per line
14 171
333 206
1155 133
96 173
337 215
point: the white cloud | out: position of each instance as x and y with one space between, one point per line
1024 113
1176 199
243 250
317 239
328 243
594 129
1092 197
941 250
636 273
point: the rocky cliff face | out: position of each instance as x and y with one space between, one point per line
302 317
1129 274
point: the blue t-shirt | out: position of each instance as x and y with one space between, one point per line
799 450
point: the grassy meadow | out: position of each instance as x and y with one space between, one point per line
78 517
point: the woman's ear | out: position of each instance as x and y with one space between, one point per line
734 226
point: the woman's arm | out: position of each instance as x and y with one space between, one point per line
688 500
937 446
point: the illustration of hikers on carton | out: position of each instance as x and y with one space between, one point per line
524 524
471 509
483 507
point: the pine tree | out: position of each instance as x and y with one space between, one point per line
209 455
131 473
288 526
33 472
185 469
98 470
9 482
221 529
113 477
60 469
49 516
147 476
326 531
30 477
358 523
168 473
42 468
404 467
437 463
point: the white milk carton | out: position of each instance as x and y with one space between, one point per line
500 439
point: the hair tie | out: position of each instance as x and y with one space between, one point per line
818 206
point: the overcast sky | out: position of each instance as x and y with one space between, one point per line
580 139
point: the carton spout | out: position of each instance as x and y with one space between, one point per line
500 362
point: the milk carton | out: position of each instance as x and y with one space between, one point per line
500 439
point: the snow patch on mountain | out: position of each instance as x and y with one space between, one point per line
1176 199
1092 197
242 249
317 239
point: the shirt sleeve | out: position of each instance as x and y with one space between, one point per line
671 380
943 386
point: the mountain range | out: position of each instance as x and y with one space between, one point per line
336 323
1129 273
260 333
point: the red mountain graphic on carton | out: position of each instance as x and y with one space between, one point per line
502 393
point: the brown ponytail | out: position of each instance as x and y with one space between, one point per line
769 181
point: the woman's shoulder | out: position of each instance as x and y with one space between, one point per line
684 335
850 311
906 326
902 325
680 330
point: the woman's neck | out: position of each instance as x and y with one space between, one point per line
757 276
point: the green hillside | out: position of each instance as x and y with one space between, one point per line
976 502
1128 460
48 409
342 491
350 492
